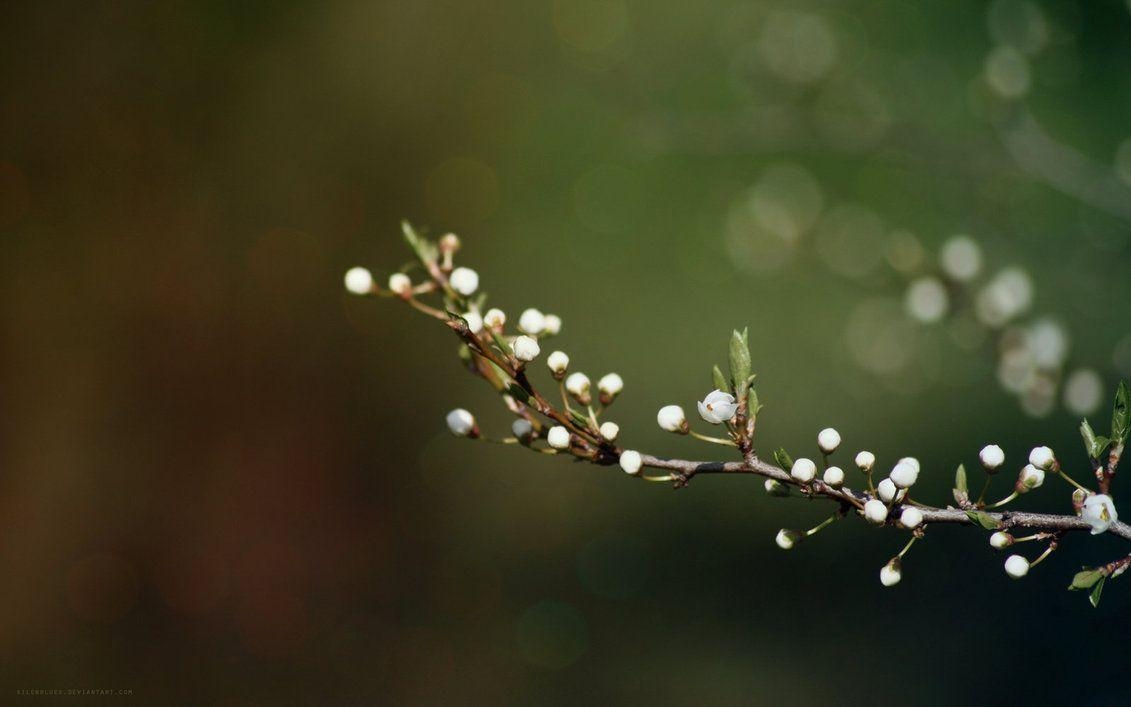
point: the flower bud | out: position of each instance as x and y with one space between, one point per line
558 362
828 440
888 491
875 511
400 284
464 281
992 457
672 419
776 488
577 385
630 461
532 322
449 243
462 423
610 430
552 324
833 476
359 281
911 517
1000 540
474 321
558 437
891 573
1099 511
912 462
1042 458
525 349
610 386
1030 478
495 318
718 407
522 429
865 461
905 474
1016 566
804 470
786 539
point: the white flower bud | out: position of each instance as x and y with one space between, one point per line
531 322
1000 540
992 457
610 430
525 348
1030 478
718 407
1042 458
804 470
558 362
558 437
865 461
474 321
464 281
911 517
833 476
888 491
776 488
630 461
905 474
875 511
1016 566
552 324
1099 511
891 573
359 281
495 318
610 385
786 539
400 283
522 429
461 422
449 243
912 461
672 419
828 440
577 385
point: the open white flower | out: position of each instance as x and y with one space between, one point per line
532 322
464 281
992 457
630 461
525 348
672 419
558 437
462 423
804 470
1099 511
1016 566
828 440
359 281
891 573
718 407
1042 458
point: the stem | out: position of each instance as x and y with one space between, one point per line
712 440
1004 501
985 488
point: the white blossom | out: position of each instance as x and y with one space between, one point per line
875 511
558 362
522 429
461 422
911 517
672 418
804 470
359 281
1000 540
532 322
833 476
525 348
905 474
610 385
464 281
474 321
552 324
1030 478
449 243
1042 458
888 491
828 440
1016 566
1099 511
400 283
891 573
577 385
610 430
630 461
865 461
495 318
718 407
558 437
992 456
912 462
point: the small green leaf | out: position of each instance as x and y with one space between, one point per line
579 418
1084 579
423 249
740 362
752 404
782 459
517 392
1121 415
1097 590
1093 444
720 380
960 479
983 519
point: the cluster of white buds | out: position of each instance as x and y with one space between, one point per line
462 423
400 284
803 470
991 457
1031 477
1000 540
577 385
609 387
359 281
558 363
892 572
558 437
495 319
525 348
631 461
465 281
610 430
718 407
828 440
672 419
1016 566
1099 511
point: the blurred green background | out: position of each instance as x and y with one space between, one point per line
223 481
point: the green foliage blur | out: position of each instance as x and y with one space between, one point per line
224 481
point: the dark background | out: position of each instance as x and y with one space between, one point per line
223 481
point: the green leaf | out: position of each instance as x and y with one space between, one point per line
579 418
1094 444
423 249
1084 579
960 479
517 392
1097 590
1121 415
782 459
740 362
752 404
720 380
983 519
